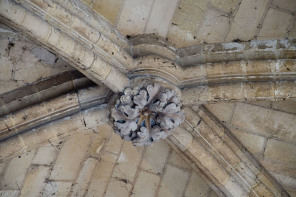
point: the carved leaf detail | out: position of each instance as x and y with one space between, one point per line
146 115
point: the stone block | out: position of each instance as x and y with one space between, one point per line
181 138
264 121
10 146
95 116
155 157
186 20
134 16
114 143
174 182
57 189
35 181
108 9
191 117
197 187
71 156
176 160
253 143
281 151
16 171
101 176
84 177
286 106
5 69
246 20
292 33
9 193
159 21
214 28
127 163
45 155
145 185
222 110
118 188
227 6
285 4
275 25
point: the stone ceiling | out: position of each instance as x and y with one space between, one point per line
211 51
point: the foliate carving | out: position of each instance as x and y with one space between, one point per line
146 115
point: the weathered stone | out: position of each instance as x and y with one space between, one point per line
176 160
9 193
109 9
160 27
223 111
169 184
145 185
114 144
253 143
84 177
275 25
214 27
185 22
155 157
101 175
56 189
45 155
127 163
71 156
132 21
35 181
286 106
286 4
280 151
264 121
246 20
16 171
226 6
118 188
197 187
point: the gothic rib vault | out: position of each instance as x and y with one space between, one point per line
256 70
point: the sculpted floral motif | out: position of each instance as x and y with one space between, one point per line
146 115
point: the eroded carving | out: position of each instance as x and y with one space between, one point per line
146 115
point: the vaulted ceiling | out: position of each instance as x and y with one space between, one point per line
232 62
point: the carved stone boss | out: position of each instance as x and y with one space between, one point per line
148 114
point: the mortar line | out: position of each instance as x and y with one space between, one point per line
262 19
187 183
138 170
119 13
163 172
148 17
232 19
113 168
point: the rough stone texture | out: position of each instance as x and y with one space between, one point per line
192 190
275 25
109 9
246 20
286 4
280 151
265 122
134 16
91 162
155 157
159 21
169 186
45 155
225 6
146 185
185 22
70 157
214 27
15 173
23 62
34 182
